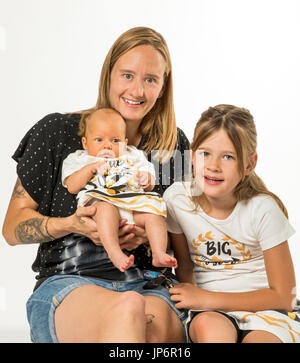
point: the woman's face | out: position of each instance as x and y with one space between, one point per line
136 82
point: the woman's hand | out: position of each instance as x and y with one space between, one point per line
83 223
131 236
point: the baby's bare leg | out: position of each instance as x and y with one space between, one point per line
156 231
107 218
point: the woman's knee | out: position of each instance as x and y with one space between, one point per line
131 302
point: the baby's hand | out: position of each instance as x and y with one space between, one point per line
99 167
145 180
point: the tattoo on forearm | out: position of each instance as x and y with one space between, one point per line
31 231
149 318
19 191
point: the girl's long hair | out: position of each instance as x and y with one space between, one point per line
239 125
159 123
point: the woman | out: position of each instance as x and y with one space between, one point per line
80 296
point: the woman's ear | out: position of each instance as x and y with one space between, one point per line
251 164
162 90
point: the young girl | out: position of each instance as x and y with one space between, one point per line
117 179
233 236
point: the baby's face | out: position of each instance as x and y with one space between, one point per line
105 135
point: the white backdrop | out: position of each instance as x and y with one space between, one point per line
242 52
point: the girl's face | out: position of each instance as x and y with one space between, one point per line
136 82
216 167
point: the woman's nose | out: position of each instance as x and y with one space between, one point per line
137 89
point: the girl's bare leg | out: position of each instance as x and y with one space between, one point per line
94 314
212 327
156 231
107 219
261 336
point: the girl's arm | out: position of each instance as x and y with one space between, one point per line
81 177
184 271
281 294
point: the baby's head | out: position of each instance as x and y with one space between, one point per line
103 133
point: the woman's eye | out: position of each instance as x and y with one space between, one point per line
127 76
150 80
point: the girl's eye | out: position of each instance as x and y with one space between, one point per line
202 153
127 76
228 157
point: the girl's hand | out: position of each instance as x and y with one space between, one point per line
188 296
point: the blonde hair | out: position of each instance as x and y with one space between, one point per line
160 122
239 125
83 121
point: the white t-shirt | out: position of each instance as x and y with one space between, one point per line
228 254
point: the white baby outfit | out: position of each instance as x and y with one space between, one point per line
117 186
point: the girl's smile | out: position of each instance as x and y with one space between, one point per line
212 180
216 167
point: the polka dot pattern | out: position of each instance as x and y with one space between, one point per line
39 156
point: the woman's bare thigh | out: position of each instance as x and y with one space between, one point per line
94 314
163 324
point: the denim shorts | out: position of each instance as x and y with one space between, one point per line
43 302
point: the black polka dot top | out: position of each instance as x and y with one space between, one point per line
39 156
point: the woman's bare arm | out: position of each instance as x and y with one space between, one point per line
24 225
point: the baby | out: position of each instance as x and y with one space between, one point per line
118 180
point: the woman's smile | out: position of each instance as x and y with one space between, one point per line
131 103
136 82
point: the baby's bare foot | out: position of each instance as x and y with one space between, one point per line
122 261
128 262
162 259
